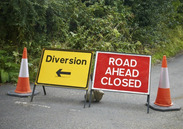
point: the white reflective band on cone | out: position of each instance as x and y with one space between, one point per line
164 79
24 71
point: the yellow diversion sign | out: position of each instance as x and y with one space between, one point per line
65 68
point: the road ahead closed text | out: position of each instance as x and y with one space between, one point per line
121 72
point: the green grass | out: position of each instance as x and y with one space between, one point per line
171 48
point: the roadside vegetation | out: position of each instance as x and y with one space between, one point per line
128 26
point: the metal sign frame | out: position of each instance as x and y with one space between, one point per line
115 53
60 73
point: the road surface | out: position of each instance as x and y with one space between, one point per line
63 108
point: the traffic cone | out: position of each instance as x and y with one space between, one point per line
23 84
163 100
163 96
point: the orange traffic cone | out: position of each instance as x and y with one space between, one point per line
23 85
163 100
163 96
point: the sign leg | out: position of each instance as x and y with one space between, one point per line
44 90
33 92
148 98
90 97
85 98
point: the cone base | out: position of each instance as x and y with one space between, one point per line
159 108
13 93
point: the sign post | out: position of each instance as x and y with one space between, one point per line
64 68
119 72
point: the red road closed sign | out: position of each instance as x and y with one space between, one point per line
122 72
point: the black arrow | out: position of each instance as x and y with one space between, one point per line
59 72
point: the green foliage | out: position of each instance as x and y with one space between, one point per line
129 26
170 49
8 68
4 76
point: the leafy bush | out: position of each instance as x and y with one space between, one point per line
127 26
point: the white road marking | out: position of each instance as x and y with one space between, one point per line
31 104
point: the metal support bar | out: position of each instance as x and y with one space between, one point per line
44 90
90 97
85 98
33 92
148 98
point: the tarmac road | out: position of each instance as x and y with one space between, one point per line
63 108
